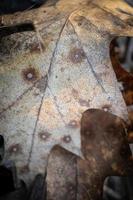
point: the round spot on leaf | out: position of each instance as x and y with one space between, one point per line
76 55
73 124
36 47
67 139
15 148
30 74
44 135
83 102
106 108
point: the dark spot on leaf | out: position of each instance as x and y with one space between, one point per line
14 149
67 139
30 74
73 124
83 102
36 47
106 107
76 55
44 135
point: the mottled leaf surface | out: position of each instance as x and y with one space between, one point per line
50 75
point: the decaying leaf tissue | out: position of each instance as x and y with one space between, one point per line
62 113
